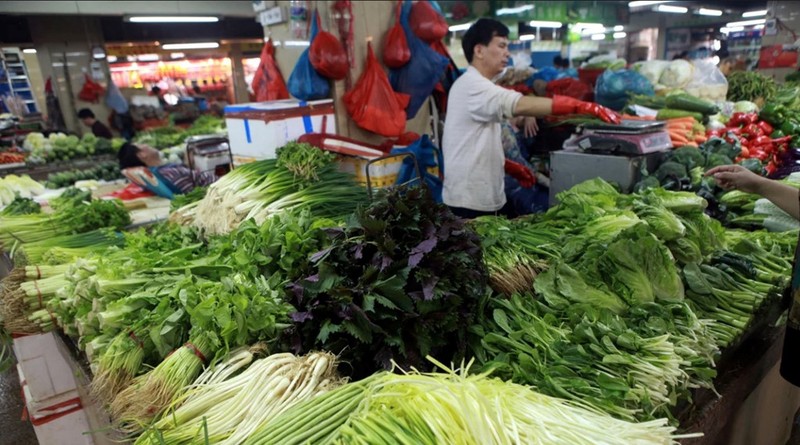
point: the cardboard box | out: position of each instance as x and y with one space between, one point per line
44 362
256 130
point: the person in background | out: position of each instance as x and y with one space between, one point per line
179 176
522 200
156 91
98 129
726 65
787 198
472 141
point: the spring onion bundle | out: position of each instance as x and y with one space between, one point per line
230 409
305 177
66 248
451 407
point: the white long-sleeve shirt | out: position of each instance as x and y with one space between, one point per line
472 142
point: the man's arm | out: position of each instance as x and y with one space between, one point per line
561 105
534 106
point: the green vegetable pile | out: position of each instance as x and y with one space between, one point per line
169 136
62 147
750 86
21 206
107 171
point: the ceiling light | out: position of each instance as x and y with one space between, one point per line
29 51
755 13
746 23
526 37
620 35
177 56
147 57
196 45
173 19
589 25
544 24
297 43
517 10
712 12
619 28
111 59
598 36
461 27
676 9
642 3
727 30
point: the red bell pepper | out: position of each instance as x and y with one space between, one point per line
741 119
735 130
752 131
770 167
765 127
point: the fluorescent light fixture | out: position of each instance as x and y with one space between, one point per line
618 28
147 57
177 56
746 23
620 35
29 51
111 59
196 45
598 36
527 37
670 8
461 27
589 25
172 19
296 43
712 12
731 29
544 24
755 13
517 10
642 3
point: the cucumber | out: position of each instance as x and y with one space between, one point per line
654 102
690 103
671 113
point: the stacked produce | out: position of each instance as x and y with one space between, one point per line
165 137
781 112
107 171
62 147
13 186
751 86
11 158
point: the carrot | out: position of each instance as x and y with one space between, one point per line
691 144
638 118
683 119
700 139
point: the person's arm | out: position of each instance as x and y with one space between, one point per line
561 105
786 197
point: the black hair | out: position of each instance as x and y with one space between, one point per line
156 89
127 156
481 33
84 113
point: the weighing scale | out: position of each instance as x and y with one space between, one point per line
211 153
615 153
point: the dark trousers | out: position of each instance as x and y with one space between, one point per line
471 214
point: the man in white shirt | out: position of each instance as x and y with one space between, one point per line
472 143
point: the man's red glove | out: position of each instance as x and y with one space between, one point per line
520 173
569 105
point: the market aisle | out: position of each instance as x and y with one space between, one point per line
13 431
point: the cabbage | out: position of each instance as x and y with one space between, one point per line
745 106
651 69
678 74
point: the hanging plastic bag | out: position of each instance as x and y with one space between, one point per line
568 86
395 46
427 156
267 82
427 23
91 90
327 54
115 100
305 83
422 73
614 88
372 103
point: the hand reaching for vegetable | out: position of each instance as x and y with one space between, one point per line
737 177
521 173
568 105
530 127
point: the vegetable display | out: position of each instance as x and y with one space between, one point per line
107 171
750 86
62 147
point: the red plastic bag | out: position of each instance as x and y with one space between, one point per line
91 90
427 23
327 54
267 82
396 52
372 103
569 86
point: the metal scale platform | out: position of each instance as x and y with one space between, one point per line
615 153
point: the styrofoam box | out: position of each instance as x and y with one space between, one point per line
256 130
47 370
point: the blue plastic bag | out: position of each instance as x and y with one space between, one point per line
547 74
569 72
420 75
305 83
614 88
428 156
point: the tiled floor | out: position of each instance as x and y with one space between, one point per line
13 431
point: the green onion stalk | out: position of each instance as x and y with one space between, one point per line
136 406
118 365
65 248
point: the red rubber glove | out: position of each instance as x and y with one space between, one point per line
520 173
568 105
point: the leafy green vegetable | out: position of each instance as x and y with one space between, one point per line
21 206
